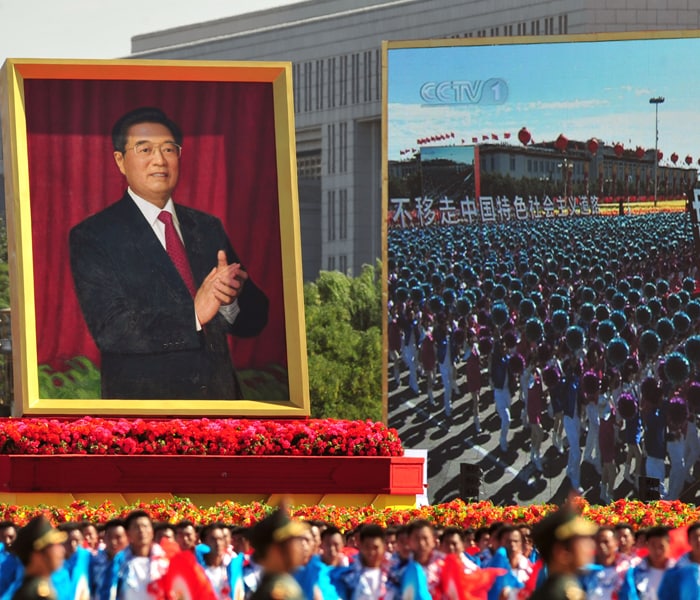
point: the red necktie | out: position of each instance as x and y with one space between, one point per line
176 251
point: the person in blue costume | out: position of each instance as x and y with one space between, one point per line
313 575
101 563
408 324
632 434
452 542
8 534
572 422
482 538
682 582
511 558
72 579
499 376
642 581
654 420
398 563
605 582
10 566
426 557
366 577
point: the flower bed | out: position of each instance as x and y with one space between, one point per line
637 514
219 437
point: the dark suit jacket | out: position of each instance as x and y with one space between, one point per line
140 313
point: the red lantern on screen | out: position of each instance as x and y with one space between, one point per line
524 136
593 145
639 152
674 158
688 160
619 149
561 142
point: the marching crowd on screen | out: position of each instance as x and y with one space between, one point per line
590 325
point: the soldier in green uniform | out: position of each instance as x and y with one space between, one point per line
565 542
40 548
277 545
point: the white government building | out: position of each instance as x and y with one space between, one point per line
335 49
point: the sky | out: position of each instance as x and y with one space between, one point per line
581 90
102 28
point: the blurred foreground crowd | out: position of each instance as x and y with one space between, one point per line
562 556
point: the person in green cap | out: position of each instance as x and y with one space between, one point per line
40 549
277 545
565 542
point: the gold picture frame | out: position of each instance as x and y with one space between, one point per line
253 132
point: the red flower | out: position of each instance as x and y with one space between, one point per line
230 437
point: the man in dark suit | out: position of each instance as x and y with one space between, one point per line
159 284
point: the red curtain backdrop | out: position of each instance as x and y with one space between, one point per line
228 169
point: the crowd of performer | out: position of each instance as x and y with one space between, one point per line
562 556
590 325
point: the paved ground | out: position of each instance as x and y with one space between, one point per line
507 477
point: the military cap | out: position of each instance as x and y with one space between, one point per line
275 529
35 536
560 526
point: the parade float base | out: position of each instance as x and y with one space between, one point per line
206 480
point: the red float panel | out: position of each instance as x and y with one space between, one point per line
212 474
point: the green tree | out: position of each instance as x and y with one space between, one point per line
344 339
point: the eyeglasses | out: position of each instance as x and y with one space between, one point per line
148 149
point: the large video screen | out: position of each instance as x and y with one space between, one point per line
541 270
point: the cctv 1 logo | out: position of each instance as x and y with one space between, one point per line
488 92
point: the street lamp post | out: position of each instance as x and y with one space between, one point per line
656 101
566 168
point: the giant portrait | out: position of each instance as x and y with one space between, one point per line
95 323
